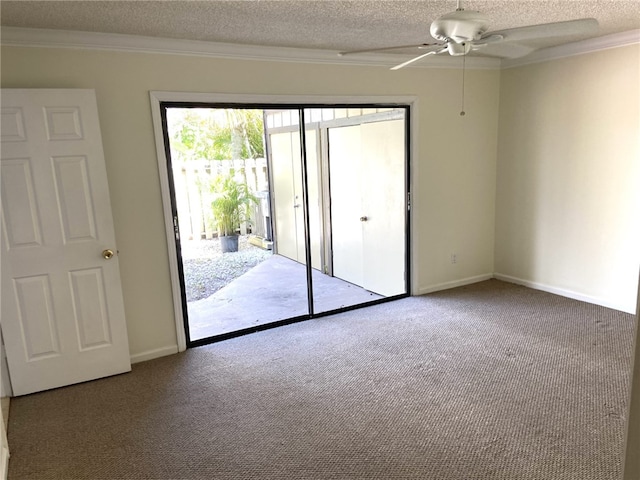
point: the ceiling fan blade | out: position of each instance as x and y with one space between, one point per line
420 46
504 50
583 26
432 52
486 40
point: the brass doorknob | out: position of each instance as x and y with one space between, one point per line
107 254
364 219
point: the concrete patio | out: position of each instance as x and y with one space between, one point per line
276 289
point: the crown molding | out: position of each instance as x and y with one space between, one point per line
606 42
47 38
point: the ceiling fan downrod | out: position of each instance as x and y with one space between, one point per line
464 57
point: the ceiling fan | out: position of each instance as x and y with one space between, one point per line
463 31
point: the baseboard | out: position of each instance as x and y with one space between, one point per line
566 293
155 353
455 283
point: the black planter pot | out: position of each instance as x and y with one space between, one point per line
229 243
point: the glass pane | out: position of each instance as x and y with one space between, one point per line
237 265
357 206
287 284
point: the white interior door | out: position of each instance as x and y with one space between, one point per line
286 174
383 195
345 152
289 229
298 198
367 170
62 308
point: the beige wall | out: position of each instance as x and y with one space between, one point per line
568 176
567 173
455 165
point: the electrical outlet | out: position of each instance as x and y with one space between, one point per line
454 258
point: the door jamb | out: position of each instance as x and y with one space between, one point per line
156 97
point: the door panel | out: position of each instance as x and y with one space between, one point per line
90 307
286 167
282 175
21 219
37 319
298 198
345 150
383 195
367 178
74 198
62 308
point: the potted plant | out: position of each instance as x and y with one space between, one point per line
230 206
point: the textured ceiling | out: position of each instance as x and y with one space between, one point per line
327 25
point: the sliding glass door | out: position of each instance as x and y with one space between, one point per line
320 219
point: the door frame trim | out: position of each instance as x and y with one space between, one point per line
157 97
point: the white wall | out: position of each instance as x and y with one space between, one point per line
568 176
454 172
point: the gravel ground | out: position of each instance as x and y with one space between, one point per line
207 269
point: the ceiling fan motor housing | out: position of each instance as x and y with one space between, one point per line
456 49
459 27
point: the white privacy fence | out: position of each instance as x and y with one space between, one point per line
192 181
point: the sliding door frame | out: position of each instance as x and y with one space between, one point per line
160 100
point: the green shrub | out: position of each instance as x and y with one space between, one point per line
230 205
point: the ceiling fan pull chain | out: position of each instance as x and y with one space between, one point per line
464 57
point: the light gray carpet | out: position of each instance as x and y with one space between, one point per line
490 381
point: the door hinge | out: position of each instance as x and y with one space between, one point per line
408 200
